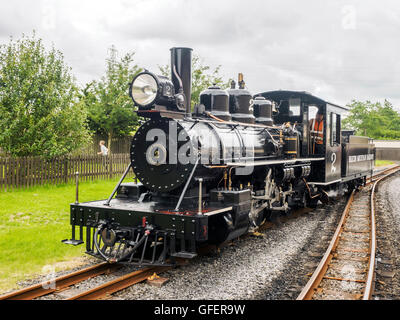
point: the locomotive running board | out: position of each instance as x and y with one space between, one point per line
269 162
324 183
218 211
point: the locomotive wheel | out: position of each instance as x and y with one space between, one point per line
259 220
275 217
312 202
324 198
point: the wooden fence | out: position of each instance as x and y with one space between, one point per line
24 172
118 145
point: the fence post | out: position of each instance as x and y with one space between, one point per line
110 165
76 187
65 169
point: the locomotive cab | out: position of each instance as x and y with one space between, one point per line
300 108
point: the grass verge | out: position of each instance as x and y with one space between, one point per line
381 163
32 224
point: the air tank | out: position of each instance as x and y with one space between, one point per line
239 102
262 110
215 101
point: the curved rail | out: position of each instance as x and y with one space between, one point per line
371 267
312 285
316 278
118 284
59 283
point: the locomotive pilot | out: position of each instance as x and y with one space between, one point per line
317 133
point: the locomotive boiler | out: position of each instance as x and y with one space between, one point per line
213 173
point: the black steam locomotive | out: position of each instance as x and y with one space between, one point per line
213 174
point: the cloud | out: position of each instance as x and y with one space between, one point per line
338 50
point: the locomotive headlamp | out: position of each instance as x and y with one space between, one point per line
144 89
147 89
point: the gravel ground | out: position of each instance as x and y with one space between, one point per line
67 267
387 284
288 282
88 284
270 267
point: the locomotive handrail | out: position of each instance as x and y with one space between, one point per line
186 185
107 203
268 162
237 123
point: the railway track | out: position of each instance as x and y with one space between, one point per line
60 283
347 268
104 290
125 281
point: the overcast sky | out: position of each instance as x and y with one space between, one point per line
337 50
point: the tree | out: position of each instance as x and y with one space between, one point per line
110 109
373 119
40 112
202 77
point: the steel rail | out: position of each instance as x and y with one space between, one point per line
372 256
371 267
118 284
309 290
319 273
59 283
382 172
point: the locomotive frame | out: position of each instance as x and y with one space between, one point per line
178 207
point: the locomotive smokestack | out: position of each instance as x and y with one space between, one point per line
181 73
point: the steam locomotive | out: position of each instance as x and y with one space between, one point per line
211 175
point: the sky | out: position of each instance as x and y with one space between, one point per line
337 50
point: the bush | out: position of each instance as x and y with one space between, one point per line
40 111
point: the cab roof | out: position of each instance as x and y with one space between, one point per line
279 95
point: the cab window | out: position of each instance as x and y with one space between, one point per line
335 129
328 129
294 107
312 112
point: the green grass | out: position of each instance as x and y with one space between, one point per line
381 163
32 224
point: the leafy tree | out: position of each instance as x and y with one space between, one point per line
110 109
373 119
202 77
40 112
